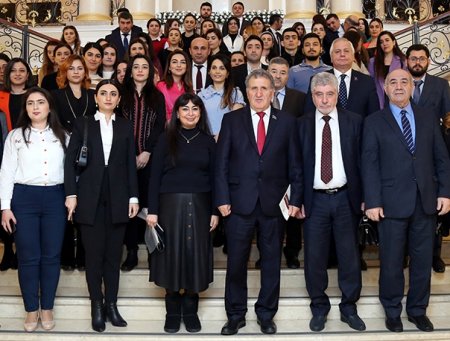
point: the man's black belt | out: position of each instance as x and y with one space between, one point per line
331 190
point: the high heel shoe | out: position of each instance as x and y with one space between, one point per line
113 315
47 321
31 321
98 316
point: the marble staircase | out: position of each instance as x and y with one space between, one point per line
142 305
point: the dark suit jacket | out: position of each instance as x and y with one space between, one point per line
243 176
239 74
392 177
435 95
362 98
115 39
294 102
121 167
350 129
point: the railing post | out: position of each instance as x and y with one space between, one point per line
416 33
25 43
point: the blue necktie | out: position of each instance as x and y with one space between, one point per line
407 133
343 93
125 41
416 95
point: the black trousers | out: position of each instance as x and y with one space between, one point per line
239 230
415 235
103 244
293 237
332 215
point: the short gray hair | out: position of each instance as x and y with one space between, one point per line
279 61
260 73
323 79
341 39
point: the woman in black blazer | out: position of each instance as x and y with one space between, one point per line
102 197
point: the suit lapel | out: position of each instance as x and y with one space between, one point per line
426 91
273 122
97 138
389 117
114 140
247 118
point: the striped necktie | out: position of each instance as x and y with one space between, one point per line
407 133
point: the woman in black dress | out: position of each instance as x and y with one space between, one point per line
180 200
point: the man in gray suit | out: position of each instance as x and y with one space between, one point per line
406 181
432 93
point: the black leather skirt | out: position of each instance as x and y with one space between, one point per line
187 261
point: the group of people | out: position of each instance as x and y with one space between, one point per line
210 127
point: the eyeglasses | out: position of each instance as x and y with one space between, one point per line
418 59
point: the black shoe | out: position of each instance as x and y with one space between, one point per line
292 263
363 265
113 315
354 322
394 324
317 323
68 267
422 322
98 316
438 265
173 312
267 327
131 261
232 327
258 264
190 317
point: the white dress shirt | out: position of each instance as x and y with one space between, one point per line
255 121
195 70
106 131
339 178
36 161
281 96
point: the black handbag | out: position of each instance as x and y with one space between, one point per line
368 232
82 157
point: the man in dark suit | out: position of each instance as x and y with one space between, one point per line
432 93
357 92
199 52
257 159
275 25
330 149
121 36
406 180
238 11
253 48
292 102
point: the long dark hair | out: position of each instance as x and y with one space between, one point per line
174 125
24 121
228 87
149 91
8 69
187 78
379 54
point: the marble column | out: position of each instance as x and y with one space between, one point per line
344 8
301 9
141 9
97 10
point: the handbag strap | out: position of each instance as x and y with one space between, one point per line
85 132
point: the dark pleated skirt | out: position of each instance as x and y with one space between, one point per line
187 261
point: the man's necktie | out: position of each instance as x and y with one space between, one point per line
416 95
343 93
326 160
198 78
276 101
407 133
125 41
261 133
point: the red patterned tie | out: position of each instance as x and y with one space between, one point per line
261 134
326 164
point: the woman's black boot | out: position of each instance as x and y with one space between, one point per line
173 312
98 316
190 309
113 315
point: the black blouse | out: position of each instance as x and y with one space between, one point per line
193 171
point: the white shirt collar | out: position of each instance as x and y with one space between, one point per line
332 114
100 116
